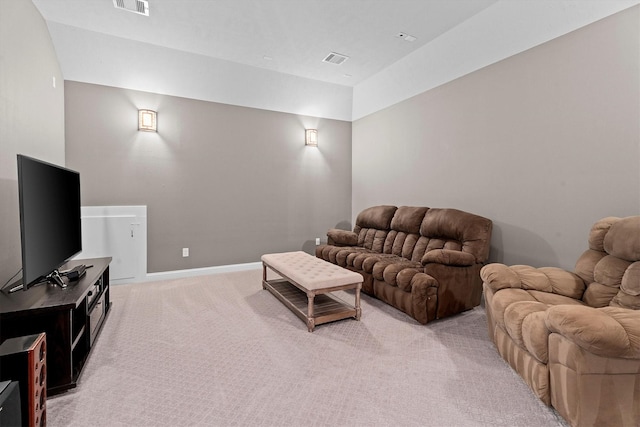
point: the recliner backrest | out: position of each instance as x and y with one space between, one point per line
411 231
372 226
611 266
457 230
404 237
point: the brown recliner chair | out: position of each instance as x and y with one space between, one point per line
575 337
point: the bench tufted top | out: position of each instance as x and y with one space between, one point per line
310 272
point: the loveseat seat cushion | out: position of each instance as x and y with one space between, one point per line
553 299
388 271
506 297
335 253
371 261
342 256
365 260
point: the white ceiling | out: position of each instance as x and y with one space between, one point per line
214 50
295 34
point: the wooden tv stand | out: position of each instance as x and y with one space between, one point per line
71 317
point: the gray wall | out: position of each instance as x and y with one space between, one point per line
228 182
543 143
31 113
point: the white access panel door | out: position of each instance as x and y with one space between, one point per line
111 236
118 232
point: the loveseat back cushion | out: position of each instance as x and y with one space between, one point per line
614 248
623 241
372 226
629 294
599 230
586 264
457 230
599 295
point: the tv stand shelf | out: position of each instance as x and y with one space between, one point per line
71 317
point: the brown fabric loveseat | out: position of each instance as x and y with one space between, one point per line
424 262
575 337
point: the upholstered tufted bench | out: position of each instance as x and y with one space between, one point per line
305 284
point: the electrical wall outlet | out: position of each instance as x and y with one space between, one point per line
317 241
185 252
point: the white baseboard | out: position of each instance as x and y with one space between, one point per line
177 274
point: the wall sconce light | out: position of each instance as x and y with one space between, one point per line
311 137
147 121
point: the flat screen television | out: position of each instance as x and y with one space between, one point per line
50 227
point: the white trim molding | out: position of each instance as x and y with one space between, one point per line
204 271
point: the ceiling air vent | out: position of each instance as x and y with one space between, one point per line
335 58
136 6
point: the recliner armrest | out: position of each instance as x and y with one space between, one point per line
449 257
545 279
342 237
606 331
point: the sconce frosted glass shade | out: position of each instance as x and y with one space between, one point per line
147 120
311 137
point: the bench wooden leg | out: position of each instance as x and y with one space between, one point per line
264 275
311 323
357 307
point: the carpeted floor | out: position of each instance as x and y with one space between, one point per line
221 351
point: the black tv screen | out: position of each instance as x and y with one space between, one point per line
50 228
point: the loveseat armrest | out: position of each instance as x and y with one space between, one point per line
546 279
606 331
339 237
449 257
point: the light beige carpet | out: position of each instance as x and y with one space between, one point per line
221 351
